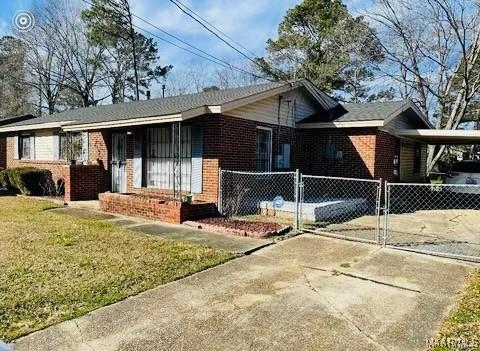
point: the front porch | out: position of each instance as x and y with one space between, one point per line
157 172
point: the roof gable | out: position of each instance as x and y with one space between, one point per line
375 113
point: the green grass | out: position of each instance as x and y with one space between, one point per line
464 321
55 267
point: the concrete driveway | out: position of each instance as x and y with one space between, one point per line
305 293
444 231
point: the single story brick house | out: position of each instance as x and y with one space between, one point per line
129 147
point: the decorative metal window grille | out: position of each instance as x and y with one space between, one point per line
159 160
71 146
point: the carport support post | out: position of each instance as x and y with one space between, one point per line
296 216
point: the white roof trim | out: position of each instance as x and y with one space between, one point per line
125 123
50 125
440 136
355 124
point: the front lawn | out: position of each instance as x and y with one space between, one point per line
463 324
55 267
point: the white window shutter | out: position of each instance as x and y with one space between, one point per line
84 146
56 146
16 154
197 159
137 160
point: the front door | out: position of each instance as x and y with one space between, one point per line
119 162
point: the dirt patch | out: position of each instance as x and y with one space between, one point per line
253 229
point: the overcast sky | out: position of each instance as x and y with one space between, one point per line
250 22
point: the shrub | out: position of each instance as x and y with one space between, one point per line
4 182
26 180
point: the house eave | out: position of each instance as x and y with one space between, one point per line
50 125
354 124
439 136
124 123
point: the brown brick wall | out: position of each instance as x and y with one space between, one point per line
228 142
367 152
154 208
357 146
82 182
387 147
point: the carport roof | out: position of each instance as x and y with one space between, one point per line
440 136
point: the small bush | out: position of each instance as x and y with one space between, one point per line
26 180
4 182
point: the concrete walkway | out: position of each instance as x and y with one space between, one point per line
236 244
305 293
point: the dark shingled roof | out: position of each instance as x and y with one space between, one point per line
368 111
168 105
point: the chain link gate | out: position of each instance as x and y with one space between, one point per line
345 208
435 219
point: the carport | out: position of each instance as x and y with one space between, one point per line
440 136
438 219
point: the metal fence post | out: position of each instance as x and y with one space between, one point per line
301 195
220 192
386 212
297 201
378 206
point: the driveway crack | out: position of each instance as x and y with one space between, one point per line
337 272
343 315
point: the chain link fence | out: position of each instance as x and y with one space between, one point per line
437 219
347 208
268 196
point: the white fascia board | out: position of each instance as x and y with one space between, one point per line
327 125
458 133
125 123
440 136
51 125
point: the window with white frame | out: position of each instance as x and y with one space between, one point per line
25 146
159 158
263 149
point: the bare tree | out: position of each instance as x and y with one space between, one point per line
83 61
432 49
13 95
191 80
228 77
46 72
